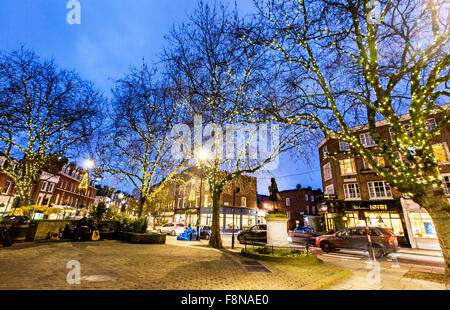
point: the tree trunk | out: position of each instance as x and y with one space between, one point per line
142 205
215 241
436 203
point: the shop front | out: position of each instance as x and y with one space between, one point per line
244 218
420 226
386 214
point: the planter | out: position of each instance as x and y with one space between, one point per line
301 260
145 238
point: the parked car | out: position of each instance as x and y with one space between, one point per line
257 233
173 229
383 241
205 232
303 235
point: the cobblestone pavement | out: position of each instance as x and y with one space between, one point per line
117 265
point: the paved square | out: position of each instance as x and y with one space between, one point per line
116 265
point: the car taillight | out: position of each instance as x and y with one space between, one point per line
391 239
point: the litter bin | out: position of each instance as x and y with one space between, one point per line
18 226
194 236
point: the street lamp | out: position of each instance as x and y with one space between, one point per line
237 190
88 164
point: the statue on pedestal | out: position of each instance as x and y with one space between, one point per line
274 194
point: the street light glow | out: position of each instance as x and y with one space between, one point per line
203 154
89 164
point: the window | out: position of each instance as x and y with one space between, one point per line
440 152
6 187
327 172
367 140
306 197
351 191
399 156
51 187
312 198
347 166
243 201
422 225
288 202
446 180
380 159
379 189
408 129
329 190
431 124
44 186
206 201
344 146
391 133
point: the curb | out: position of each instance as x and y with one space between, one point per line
420 254
329 281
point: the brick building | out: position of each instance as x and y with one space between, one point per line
350 184
298 204
57 186
191 191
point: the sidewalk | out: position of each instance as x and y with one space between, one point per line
434 253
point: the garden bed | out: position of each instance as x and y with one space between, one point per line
281 255
146 238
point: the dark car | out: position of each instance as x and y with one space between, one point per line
205 232
257 233
383 241
303 235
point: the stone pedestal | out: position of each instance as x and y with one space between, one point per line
277 231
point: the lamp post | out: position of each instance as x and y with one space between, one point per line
236 190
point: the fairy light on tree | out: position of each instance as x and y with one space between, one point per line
375 72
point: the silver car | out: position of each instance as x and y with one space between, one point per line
173 229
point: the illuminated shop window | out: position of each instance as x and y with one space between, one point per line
422 225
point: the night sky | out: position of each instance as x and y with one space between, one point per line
114 35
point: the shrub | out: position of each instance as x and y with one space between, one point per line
126 223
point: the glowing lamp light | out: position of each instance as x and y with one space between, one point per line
89 164
203 154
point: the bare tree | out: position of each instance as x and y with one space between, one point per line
358 61
143 114
219 79
45 112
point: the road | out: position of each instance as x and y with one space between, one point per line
386 273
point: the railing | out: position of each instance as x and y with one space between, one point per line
260 244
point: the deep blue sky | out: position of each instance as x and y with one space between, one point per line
114 35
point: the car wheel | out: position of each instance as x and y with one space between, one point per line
378 251
326 246
207 236
241 239
173 233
